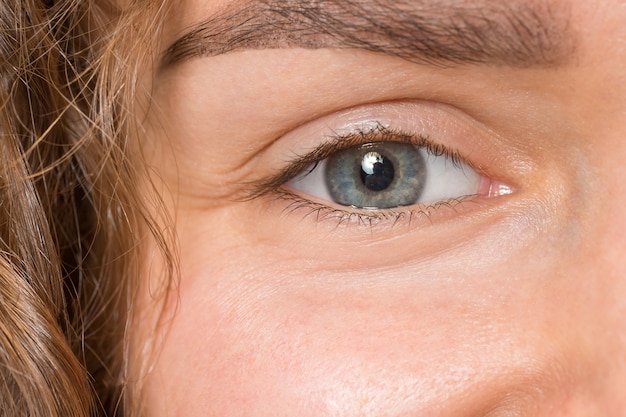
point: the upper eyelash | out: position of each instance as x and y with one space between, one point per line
339 142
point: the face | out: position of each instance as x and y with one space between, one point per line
397 208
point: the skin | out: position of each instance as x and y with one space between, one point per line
503 305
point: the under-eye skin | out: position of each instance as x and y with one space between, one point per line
377 174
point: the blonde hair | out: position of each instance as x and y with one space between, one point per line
70 215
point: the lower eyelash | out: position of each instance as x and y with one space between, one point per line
364 218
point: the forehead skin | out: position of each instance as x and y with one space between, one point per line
511 305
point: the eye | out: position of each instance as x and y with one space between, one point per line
384 175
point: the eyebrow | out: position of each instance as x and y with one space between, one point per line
433 32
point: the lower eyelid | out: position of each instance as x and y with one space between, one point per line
369 220
303 205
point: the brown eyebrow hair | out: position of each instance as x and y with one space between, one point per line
435 32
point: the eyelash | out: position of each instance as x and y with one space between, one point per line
379 133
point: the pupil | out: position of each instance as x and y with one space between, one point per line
376 171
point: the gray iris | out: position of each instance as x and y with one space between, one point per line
376 175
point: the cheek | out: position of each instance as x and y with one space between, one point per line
256 334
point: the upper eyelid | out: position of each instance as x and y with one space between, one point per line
339 142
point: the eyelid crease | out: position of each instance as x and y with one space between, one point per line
339 142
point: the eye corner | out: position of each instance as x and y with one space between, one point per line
492 188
